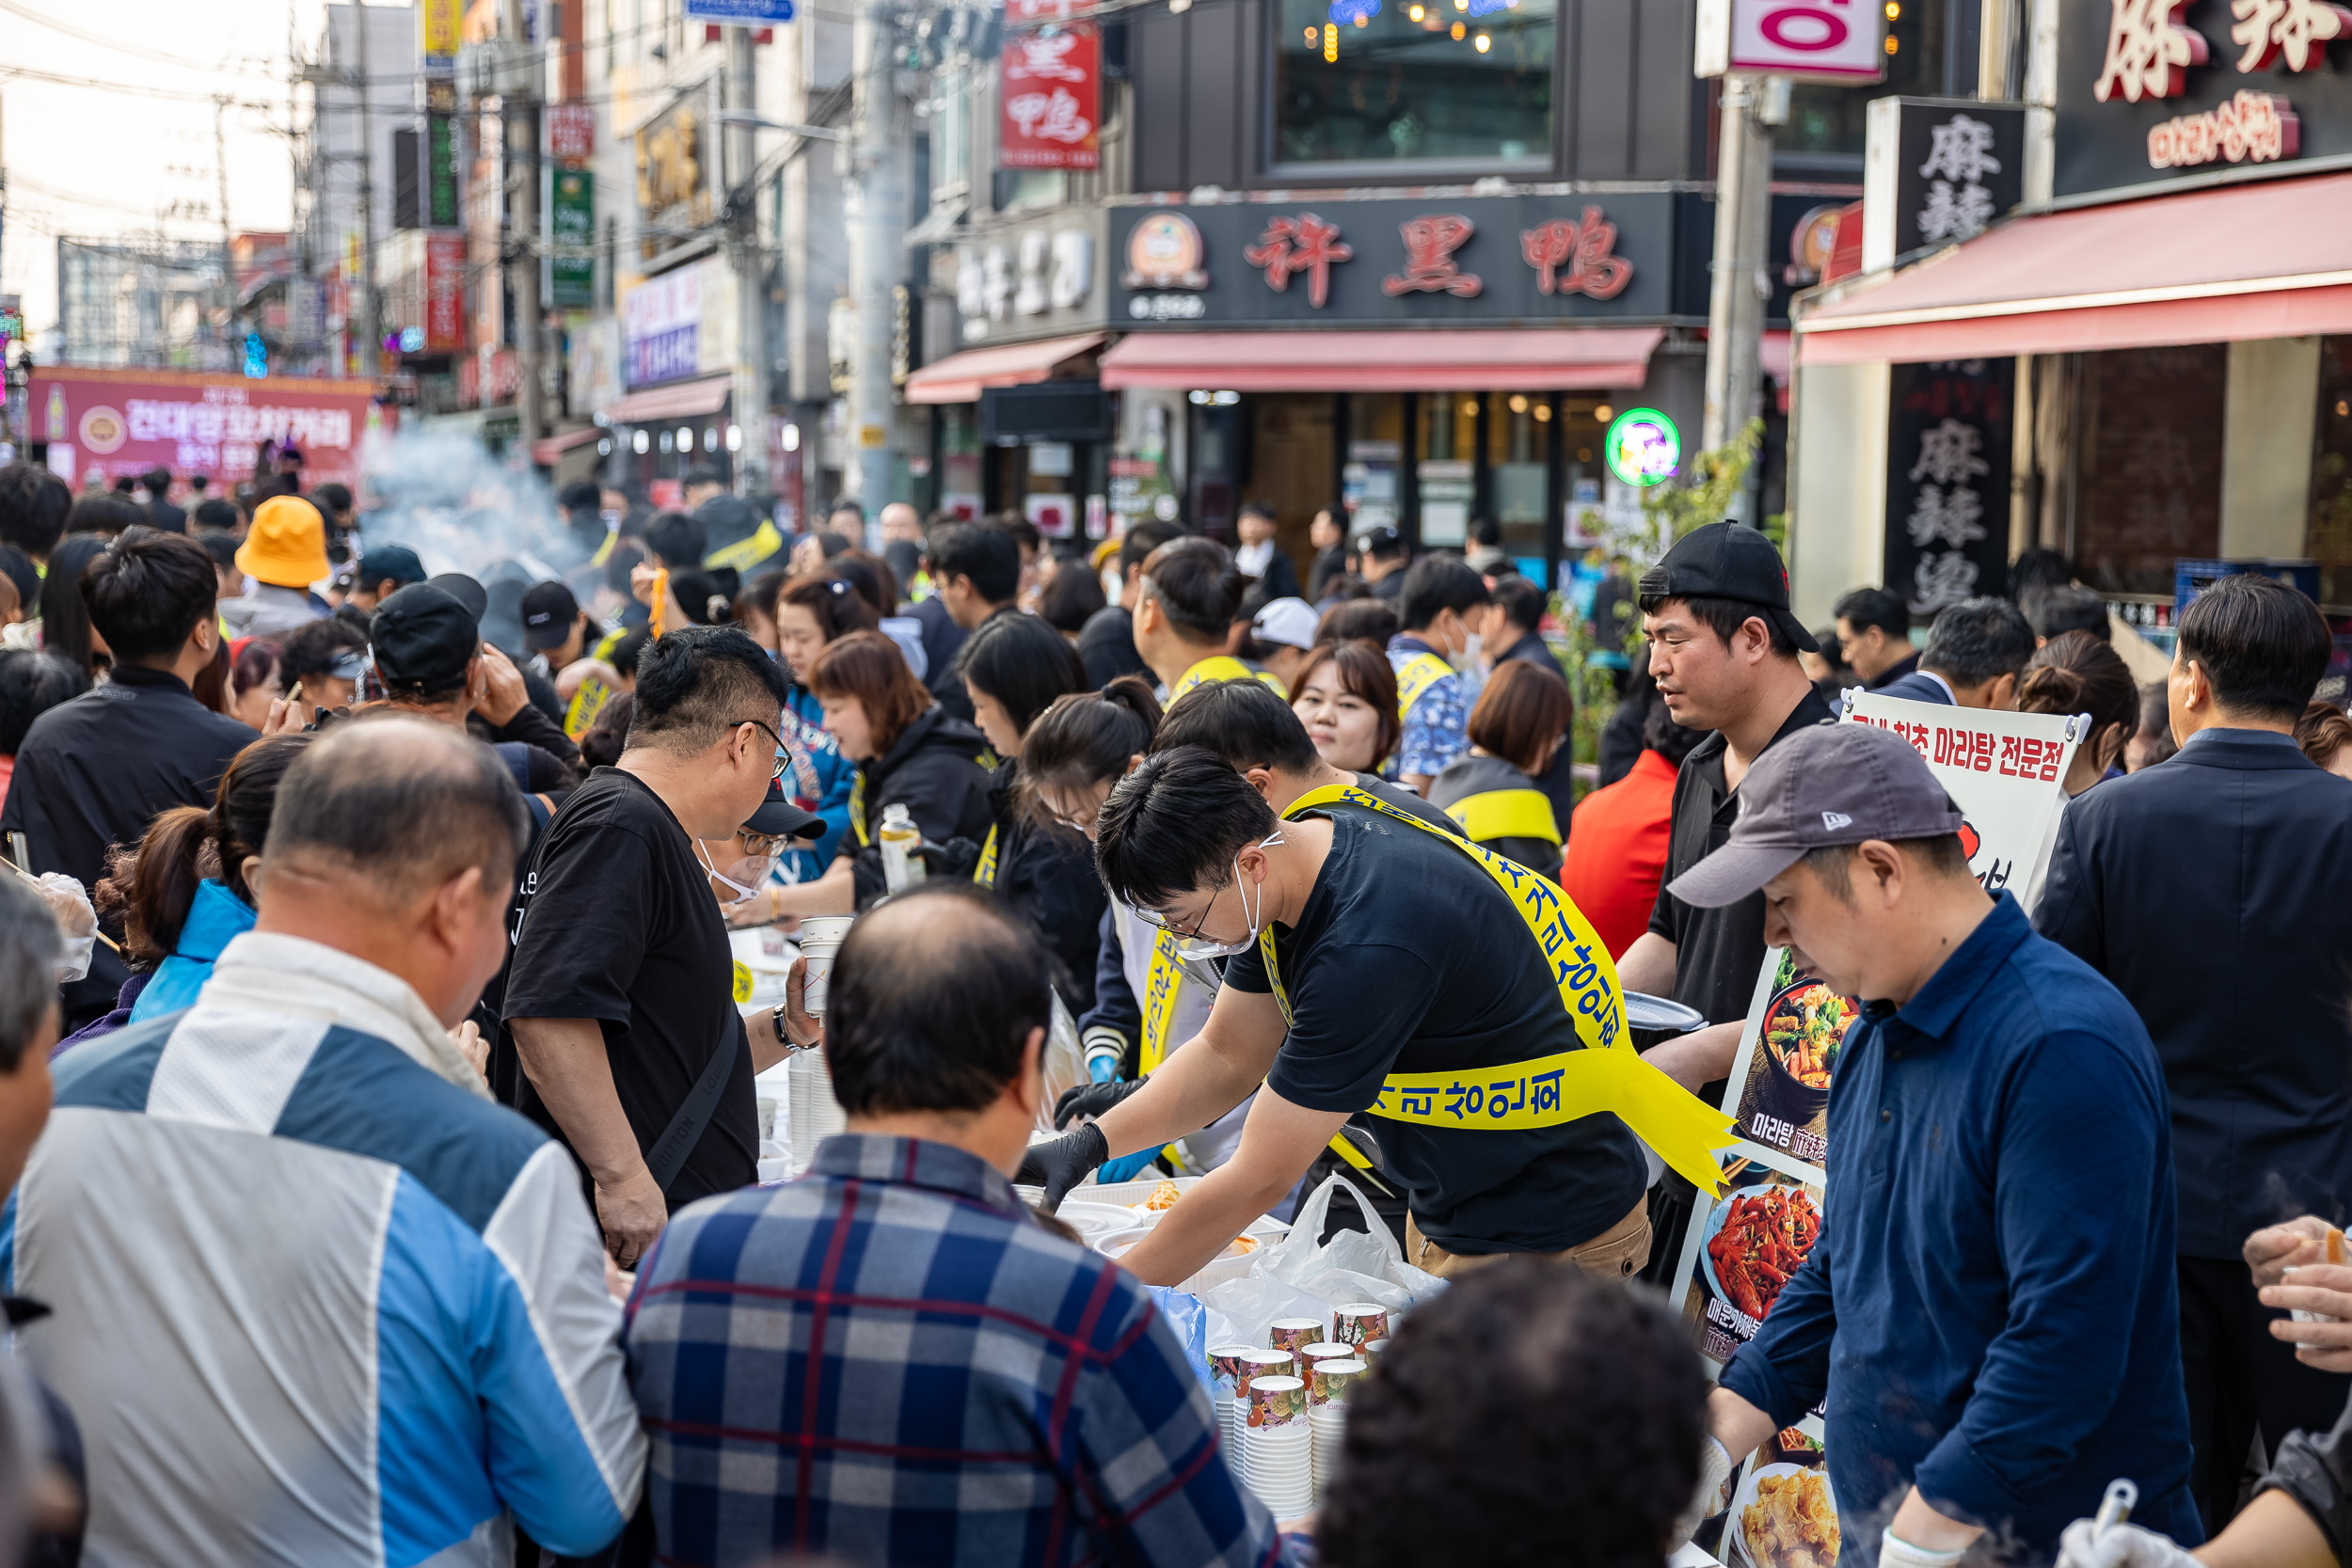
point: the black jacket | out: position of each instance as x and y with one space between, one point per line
1106 646
1047 873
942 640
164 516
1328 564
1280 578
2316 1471
2210 889
95 772
932 769
726 520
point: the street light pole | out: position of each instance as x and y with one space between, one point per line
1743 208
370 326
518 112
750 272
876 207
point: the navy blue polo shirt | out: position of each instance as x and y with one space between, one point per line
1990 1311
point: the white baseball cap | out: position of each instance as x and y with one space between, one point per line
1289 622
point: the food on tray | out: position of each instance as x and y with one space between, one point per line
1805 1031
1163 1197
1793 1522
1795 1446
1243 1245
1764 1237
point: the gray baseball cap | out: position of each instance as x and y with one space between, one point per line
1831 784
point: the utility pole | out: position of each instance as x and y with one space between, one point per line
371 328
751 270
1744 209
227 244
877 206
518 113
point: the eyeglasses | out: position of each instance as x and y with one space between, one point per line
782 759
762 844
1155 918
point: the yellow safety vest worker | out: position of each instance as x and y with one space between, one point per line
1606 1073
1223 667
985 872
1506 814
1418 673
744 554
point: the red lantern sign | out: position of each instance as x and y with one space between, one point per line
1050 95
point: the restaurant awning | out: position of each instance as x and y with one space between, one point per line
546 450
2271 258
960 378
683 401
1532 359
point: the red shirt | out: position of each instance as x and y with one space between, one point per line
1617 851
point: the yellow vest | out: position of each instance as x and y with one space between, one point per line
1421 673
744 554
1222 667
985 872
1506 814
1605 1074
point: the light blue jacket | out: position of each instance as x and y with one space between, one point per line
216 917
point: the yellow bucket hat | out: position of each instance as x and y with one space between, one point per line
286 547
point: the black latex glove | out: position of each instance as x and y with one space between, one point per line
1092 1100
1061 1164
954 860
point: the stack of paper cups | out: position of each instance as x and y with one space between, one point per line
1354 1324
1229 1373
1327 1386
811 1112
821 938
1327 1350
1278 1449
1254 1363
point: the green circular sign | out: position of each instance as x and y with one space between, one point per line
1643 447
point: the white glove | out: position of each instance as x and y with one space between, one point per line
1895 1552
2086 1546
77 923
1713 1494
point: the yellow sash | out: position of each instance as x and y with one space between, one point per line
1605 1074
1506 814
744 554
857 808
985 873
1222 667
1421 673
587 702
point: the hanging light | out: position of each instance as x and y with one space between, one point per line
1311 36
1604 414
1543 413
1483 43
1457 31
792 438
1518 403
735 438
1892 44
1330 43
1416 13
638 442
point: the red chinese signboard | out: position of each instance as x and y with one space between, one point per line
444 294
1429 265
571 133
1050 96
1577 256
129 422
1302 244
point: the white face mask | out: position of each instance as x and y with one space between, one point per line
1194 949
1468 657
755 867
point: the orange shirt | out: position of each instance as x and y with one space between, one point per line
1617 851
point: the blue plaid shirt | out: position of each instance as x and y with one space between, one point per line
984 1393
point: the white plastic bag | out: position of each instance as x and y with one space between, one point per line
1062 1062
1250 1306
1354 1266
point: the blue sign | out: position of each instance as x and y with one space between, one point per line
662 356
745 13
256 358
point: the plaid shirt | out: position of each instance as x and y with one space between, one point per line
984 1393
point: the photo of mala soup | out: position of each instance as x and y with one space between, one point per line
1740 1254
1784 1095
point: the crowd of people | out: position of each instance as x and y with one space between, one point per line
379 1103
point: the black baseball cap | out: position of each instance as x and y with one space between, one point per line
1729 560
422 634
1825 784
778 818
465 590
1379 539
396 561
549 612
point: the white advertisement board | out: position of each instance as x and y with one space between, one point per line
1816 40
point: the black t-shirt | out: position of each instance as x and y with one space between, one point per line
1409 958
620 925
1717 952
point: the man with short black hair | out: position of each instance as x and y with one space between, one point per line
1988 1309
326 659
1382 555
1259 559
1106 644
2055 611
431 660
330 1303
621 993
1186 598
1874 635
555 629
1977 650
1330 540
675 541
383 572
904 1275
1434 608
157 483
2232 861
34 503
334 503
976 568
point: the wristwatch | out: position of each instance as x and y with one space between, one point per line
776 1022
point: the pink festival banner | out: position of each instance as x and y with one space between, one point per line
190 422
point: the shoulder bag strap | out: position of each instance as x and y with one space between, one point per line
669 1151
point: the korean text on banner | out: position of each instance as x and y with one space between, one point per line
1050 99
440 26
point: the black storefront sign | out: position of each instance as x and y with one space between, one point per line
2221 118
1947 466
1531 260
1958 164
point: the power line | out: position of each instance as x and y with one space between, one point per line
102 42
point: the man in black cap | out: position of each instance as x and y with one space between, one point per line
1382 555
383 572
555 629
430 659
498 621
1988 1312
1722 651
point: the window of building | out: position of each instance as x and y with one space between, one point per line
1397 83
2148 464
1827 120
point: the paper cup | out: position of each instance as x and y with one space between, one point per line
1374 1349
1328 1382
1228 1368
1277 1401
1354 1324
1325 1349
820 940
1267 1362
1291 1333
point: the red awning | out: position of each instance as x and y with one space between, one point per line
962 377
2267 260
1535 359
683 401
546 450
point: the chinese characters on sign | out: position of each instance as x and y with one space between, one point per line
2149 51
2256 127
2299 29
1429 265
1947 496
1575 256
571 133
1958 206
1304 244
1051 93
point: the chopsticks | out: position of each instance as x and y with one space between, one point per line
36 882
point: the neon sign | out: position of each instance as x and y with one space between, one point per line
1643 447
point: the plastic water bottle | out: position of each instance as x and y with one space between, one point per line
902 868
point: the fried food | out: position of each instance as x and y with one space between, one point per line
1163 1197
1804 1033
1764 1238
1793 1522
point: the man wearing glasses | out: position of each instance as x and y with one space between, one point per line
621 998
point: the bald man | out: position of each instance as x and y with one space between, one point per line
901 524
331 1303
